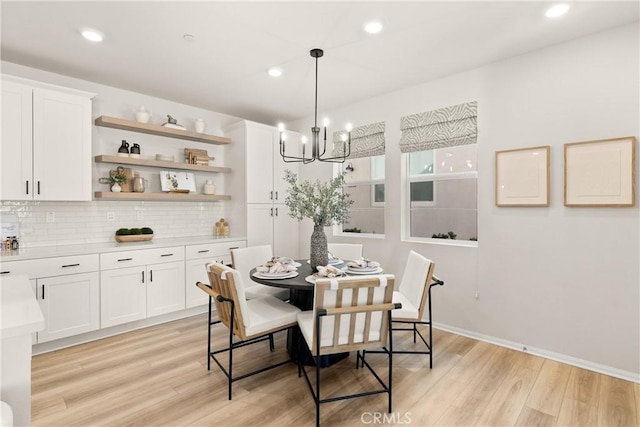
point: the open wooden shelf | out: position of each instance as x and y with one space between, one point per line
160 164
170 197
116 123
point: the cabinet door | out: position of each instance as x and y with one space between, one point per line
259 224
123 295
285 232
280 166
260 142
165 288
61 146
16 181
69 305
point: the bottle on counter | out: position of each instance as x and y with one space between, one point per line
14 243
7 244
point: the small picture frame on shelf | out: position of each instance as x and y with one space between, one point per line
177 182
600 172
522 177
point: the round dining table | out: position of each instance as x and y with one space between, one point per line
301 295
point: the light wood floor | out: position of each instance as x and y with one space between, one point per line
157 377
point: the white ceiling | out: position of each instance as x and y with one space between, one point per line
224 68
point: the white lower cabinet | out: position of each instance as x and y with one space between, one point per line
141 283
123 296
69 305
198 256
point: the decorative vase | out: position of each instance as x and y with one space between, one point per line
115 188
319 252
143 115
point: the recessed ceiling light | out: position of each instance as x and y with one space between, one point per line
373 27
189 37
557 10
92 35
274 71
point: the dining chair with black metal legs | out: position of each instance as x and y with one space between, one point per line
349 314
416 284
251 321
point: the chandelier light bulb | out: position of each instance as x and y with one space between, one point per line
349 127
281 127
325 122
303 139
284 136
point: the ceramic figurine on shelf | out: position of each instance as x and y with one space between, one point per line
135 151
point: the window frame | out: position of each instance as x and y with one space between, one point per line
407 204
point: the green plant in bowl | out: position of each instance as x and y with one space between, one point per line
135 231
123 232
146 230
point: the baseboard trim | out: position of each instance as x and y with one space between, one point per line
558 357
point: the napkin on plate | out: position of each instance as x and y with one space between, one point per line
278 267
329 271
363 263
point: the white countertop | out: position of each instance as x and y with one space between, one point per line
94 248
20 313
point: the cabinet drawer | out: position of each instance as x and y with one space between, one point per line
48 267
213 250
112 260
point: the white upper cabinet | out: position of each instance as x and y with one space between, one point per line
260 142
46 142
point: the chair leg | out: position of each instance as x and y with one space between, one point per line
209 338
317 397
231 352
390 361
415 330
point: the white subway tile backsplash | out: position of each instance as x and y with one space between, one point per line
86 222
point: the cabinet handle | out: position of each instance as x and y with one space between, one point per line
5 272
38 187
235 247
42 291
125 259
151 275
70 265
271 212
142 276
276 209
203 251
276 195
27 182
166 255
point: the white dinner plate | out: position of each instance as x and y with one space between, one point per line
363 269
276 276
313 277
376 271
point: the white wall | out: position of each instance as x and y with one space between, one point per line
85 222
561 280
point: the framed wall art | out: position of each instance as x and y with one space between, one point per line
600 173
522 177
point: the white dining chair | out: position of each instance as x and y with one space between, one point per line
349 314
414 293
248 321
244 259
345 251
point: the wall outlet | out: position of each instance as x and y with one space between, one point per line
51 217
139 215
111 216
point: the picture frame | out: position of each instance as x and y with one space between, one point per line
600 172
172 181
522 177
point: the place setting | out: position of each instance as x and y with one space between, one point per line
277 268
332 261
363 266
325 272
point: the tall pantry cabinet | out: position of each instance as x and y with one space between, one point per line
45 128
262 185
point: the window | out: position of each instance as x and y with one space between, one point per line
441 198
364 182
442 193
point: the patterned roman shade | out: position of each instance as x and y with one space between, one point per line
366 141
444 127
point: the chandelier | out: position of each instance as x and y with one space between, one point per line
316 153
